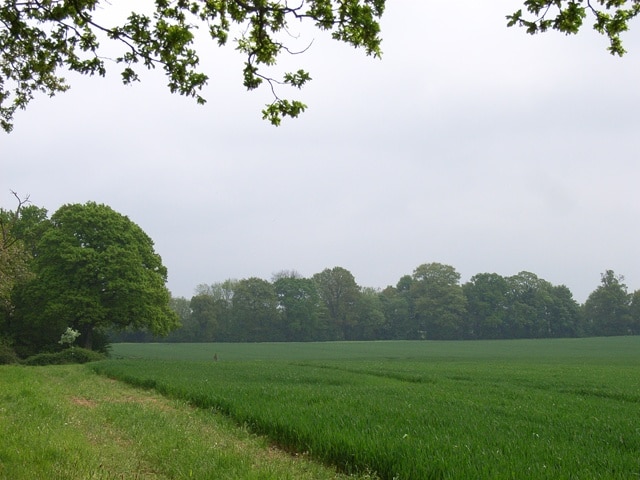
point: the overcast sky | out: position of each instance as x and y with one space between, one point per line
469 144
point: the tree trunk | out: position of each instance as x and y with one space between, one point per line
87 337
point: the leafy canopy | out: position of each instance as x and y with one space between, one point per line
18 230
38 38
611 17
95 270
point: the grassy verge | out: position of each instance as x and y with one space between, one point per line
65 422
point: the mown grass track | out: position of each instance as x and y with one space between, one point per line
67 423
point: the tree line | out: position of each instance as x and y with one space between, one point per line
91 270
431 303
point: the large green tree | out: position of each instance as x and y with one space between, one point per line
520 306
40 39
370 321
607 309
204 319
634 311
395 303
222 295
486 295
528 298
439 305
299 306
182 307
14 256
564 313
340 295
255 312
19 232
96 270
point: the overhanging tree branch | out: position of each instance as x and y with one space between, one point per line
612 18
39 39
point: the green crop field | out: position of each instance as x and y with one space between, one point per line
625 350
556 409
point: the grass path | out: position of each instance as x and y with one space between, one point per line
65 422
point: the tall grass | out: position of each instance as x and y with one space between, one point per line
427 410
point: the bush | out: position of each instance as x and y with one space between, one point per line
69 355
81 355
7 354
43 359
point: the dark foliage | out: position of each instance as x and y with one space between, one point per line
7 354
69 355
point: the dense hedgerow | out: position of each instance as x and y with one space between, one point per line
69 355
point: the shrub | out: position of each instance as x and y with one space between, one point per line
69 355
81 355
43 359
7 354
